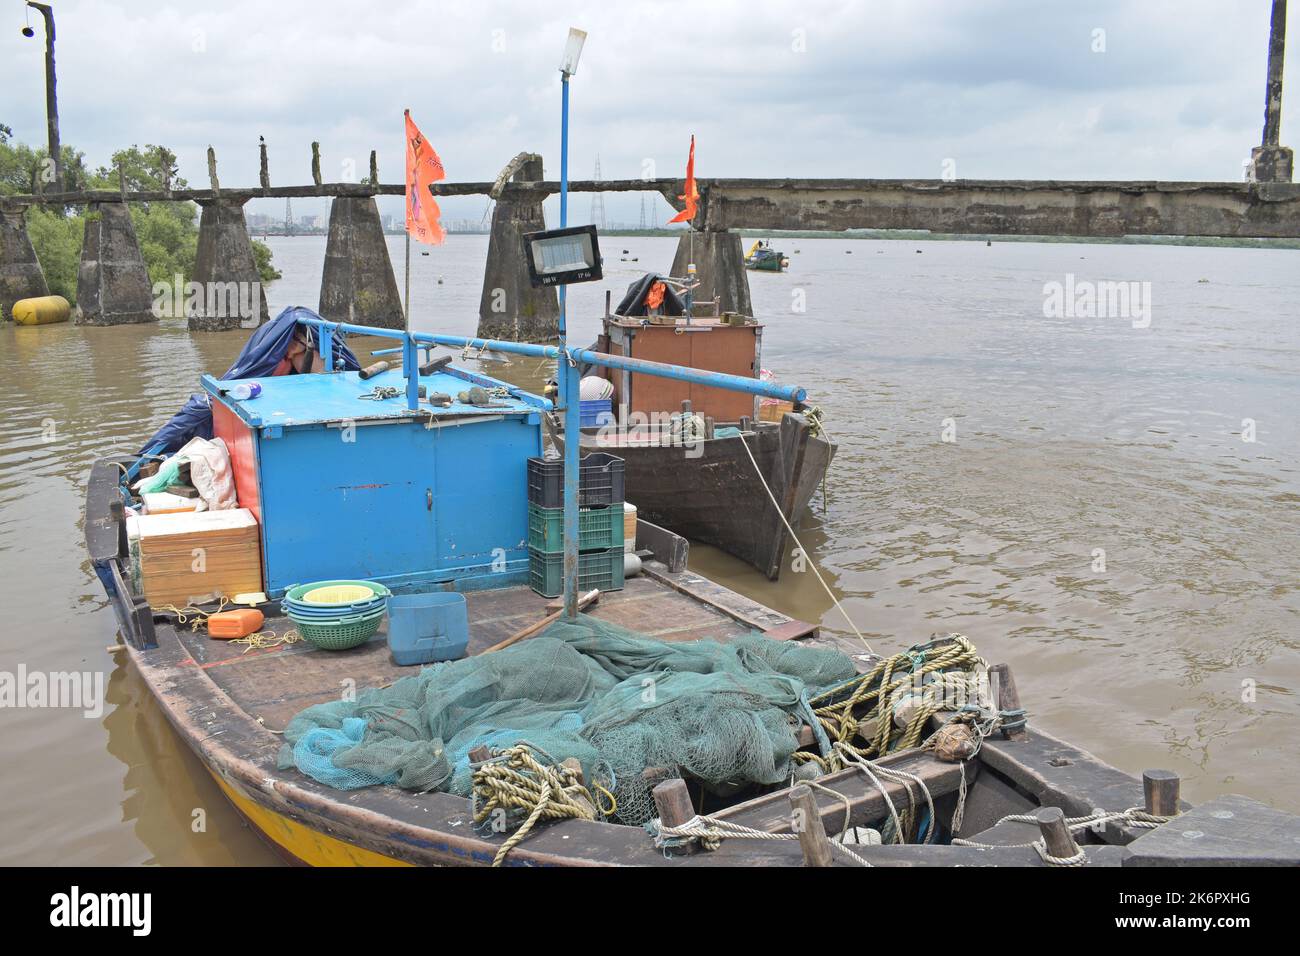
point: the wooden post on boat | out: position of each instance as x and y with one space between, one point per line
674 806
1161 789
814 843
1006 696
1056 834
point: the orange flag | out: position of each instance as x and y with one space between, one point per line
423 167
692 195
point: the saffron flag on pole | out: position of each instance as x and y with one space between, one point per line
691 195
423 168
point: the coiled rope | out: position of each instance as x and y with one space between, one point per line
514 782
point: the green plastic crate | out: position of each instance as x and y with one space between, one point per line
598 528
601 570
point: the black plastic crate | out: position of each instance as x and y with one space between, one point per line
600 481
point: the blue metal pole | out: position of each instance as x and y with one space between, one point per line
681 373
567 376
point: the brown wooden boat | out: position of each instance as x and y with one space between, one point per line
230 705
749 479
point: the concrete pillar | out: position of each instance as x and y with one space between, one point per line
511 308
358 284
112 283
226 272
20 272
719 265
1271 162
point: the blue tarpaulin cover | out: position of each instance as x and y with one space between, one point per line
259 357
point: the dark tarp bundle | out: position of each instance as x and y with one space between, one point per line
633 303
259 357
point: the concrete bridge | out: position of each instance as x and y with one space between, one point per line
359 286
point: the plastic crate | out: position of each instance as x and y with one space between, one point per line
598 528
601 570
600 481
596 412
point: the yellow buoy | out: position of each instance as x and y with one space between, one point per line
42 310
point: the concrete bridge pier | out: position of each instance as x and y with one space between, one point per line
358 284
225 271
21 276
719 266
112 282
511 308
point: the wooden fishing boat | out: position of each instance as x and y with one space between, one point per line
711 490
230 705
742 482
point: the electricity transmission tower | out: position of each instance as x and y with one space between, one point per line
598 201
642 224
288 216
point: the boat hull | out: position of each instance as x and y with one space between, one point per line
710 492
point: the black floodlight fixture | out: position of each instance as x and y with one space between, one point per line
563 256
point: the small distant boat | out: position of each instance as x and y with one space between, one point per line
761 257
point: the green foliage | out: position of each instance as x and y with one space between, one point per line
266 271
57 241
168 232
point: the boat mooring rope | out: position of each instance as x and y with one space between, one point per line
795 538
711 831
513 781
1133 817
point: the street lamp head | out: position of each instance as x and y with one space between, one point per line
28 32
572 51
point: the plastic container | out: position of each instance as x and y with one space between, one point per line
340 634
369 596
602 570
596 412
600 481
427 627
245 390
228 625
598 528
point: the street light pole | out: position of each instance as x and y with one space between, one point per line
51 97
570 389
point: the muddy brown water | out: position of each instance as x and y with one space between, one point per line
1098 522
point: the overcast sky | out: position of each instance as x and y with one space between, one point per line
887 88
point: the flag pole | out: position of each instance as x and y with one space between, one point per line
406 306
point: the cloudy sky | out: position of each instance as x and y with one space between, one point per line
1063 89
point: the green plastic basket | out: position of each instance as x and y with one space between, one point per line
598 528
341 634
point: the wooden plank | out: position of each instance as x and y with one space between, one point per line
771 811
1231 830
671 550
1058 774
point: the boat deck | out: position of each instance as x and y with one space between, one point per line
273 684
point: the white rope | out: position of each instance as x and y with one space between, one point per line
1133 817
711 831
812 564
897 776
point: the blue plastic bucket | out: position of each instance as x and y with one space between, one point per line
427 627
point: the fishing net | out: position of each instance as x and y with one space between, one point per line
727 715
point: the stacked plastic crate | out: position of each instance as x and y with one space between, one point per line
600 524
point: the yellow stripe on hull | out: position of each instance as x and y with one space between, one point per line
303 843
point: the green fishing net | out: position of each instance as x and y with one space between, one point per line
727 715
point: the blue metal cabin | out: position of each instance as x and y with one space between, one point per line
352 487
